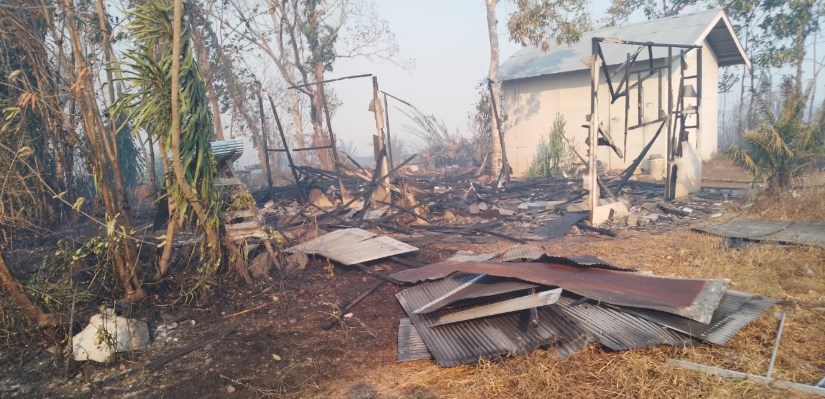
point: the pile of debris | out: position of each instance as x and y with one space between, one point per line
463 311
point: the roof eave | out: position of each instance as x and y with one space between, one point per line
735 38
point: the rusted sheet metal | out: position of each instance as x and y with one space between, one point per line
499 335
692 298
351 246
735 311
618 330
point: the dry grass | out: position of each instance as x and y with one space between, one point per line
803 204
596 373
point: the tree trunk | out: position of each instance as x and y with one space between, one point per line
317 115
213 243
110 181
495 98
16 292
298 121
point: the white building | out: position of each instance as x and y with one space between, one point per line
537 86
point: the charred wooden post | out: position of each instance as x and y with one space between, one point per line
264 140
301 194
381 193
593 196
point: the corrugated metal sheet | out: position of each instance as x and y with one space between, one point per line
735 311
351 246
692 298
227 150
764 230
522 252
560 226
500 335
531 253
479 287
618 330
410 345
688 29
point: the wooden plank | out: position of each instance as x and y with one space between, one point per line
511 305
246 213
243 226
259 234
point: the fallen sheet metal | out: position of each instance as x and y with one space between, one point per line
529 301
692 298
763 230
351 246
489 337
561 226
529 253
410 345
619 330
477 287
735 311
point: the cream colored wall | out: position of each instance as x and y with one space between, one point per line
531 106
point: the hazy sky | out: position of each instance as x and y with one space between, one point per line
448 42
447 39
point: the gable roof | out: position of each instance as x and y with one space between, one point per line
690 29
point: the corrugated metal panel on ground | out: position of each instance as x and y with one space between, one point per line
735 311
410 345
351 246
500 335
618 330
765 230
692 298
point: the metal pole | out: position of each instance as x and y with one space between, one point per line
776 345
264 143
301 195
593 200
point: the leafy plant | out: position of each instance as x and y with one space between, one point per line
553 158
149 107
783 147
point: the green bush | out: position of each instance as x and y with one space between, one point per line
554 158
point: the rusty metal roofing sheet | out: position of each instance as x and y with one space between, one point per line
618 330
692 298
500 335
410 345
735 311
764 230
351 246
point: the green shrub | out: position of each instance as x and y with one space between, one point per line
553 158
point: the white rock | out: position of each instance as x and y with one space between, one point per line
107 334
687 210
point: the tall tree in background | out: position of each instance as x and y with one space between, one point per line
537 23
304 38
